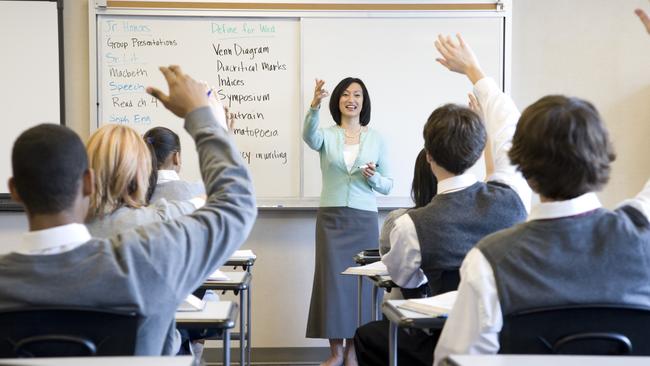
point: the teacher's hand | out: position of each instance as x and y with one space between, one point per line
370 170
458 57
319 93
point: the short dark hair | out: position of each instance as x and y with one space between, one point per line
48 163
364 117
562 147
425 184
164 142
454 137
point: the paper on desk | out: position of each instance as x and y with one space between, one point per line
191 303
372 269
218 276
243 254
439 305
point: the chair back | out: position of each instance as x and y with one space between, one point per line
600 329
66 332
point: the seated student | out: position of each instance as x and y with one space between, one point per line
436 238
166 146
149 270
564 254
423 187
122 164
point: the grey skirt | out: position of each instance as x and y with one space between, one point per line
341 232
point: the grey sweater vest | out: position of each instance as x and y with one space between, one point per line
597 257
453 223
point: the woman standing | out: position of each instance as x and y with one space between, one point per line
354 165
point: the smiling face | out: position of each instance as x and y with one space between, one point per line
351 101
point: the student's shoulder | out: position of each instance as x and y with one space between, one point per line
503 241
631 217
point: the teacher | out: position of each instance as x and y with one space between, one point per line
354 166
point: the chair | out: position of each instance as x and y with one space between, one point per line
578 330
66 332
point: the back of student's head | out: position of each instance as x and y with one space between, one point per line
164 141
48 163
122 165
425 184
454 137
562 147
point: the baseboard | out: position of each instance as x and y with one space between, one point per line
272 356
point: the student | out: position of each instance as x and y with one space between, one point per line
423 187
435 238
571 250
149 270
167 151
122 164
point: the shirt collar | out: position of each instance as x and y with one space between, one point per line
54 240
456 183
165 176
575 206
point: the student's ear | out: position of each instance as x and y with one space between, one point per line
88 182
177 158
12 190
429 158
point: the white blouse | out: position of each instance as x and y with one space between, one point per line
350 153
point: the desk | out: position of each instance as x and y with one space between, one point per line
101 361
362 259
545 360
216 314
239 283
401 318
378 282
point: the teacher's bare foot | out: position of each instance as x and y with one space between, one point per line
334 360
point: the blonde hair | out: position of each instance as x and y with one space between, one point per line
122 164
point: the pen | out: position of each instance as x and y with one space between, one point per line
365 166
209 93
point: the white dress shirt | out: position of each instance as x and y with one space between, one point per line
165 175
475 321
54 240
500 115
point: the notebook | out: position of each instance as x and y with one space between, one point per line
437 306
218 276
191 303
372 269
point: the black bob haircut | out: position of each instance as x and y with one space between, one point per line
454 137
562 147
364 117
48 163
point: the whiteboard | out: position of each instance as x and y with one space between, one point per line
30 92
264 65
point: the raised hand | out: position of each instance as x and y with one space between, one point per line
319 93
645 19
474 104
458 57
185 93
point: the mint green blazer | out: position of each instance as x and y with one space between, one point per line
340 187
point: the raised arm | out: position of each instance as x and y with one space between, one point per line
186 250
499 112
311 134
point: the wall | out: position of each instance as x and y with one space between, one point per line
591 48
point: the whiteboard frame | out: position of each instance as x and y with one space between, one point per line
6 203
98 9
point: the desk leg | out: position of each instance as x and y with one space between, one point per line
226 347
392 344
242 317
248 324
375 305
359 284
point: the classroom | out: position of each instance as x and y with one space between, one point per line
593 49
